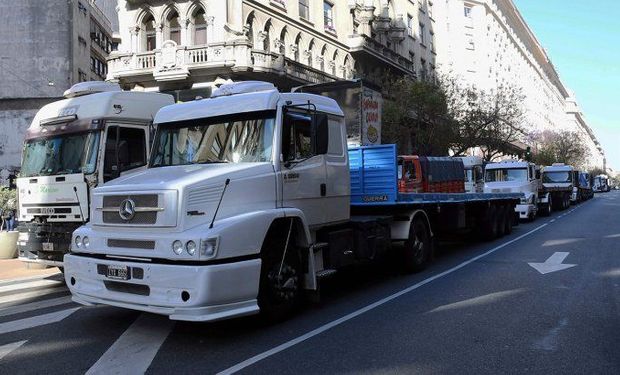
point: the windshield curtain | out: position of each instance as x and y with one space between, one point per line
511 174
556 177
245 137
64 154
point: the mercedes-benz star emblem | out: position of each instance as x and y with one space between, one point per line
127 209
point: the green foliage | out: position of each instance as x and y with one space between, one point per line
560 147
8 199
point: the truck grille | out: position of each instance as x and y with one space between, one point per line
111 205
132 244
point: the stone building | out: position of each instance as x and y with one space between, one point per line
487 43
184 44
46 47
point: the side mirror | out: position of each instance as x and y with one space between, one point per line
320 134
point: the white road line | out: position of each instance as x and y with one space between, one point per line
35 321
33 294
35 306
8 348
134 351
259 357
27 285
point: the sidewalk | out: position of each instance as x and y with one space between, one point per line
15 269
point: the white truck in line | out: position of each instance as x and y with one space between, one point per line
516 177
474 174
73 145
250 198
557 185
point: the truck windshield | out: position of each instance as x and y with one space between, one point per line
64 154
508 174
245 137
556 177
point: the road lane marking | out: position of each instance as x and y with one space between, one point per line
36 321
33 294
28 285
259 357
553 264
134 351
27 307
8 348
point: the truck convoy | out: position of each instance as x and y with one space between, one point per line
250 198
600 183
516 177
557 181
93 136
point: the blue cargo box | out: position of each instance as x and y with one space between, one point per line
374 181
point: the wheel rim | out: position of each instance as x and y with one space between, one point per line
417 247
283 285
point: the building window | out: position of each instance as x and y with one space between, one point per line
328 16
467 11
304 9
174 28
410 25
422 32
423 73
200 28
432 41
150 34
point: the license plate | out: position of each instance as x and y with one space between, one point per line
48 246
118 272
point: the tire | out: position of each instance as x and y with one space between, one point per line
280 290
417 250
509 220
546 211
489 227
501 221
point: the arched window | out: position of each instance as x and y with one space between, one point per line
148 25
174 27
200 27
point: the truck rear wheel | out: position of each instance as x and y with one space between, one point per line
417 247
509 214
488 229
501 221
280 282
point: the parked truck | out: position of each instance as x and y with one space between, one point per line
73 145
474 174
600 183
582 190
557 185
250 198
516 177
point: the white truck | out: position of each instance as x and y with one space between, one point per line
557 185
474 174
600 183
249 199
516 177
94 135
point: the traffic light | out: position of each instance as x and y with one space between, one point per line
528 153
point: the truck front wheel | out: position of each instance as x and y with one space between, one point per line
417 247
280 282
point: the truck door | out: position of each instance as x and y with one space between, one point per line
303 175
125 149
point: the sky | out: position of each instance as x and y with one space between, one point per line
582 39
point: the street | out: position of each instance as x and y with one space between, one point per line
545 299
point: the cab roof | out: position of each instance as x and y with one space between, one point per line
508 164
242 102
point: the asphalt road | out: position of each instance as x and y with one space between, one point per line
479 308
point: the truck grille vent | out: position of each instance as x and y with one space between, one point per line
140 218
132 244
151 200
204 195
114 286
141 201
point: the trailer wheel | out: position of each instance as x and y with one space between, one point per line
509 220
488 229
280 281
417 247
501 221
547 208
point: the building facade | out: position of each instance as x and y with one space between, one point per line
487 43
171 45
46 47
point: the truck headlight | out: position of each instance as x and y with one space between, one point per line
208 247
86 242
78 241
190 247
177 247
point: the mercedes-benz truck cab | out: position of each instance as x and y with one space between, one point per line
96 134
516 177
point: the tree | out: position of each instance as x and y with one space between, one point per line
416 116
491 120
561 147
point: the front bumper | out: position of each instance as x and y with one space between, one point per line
34 235
215 292
525 210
